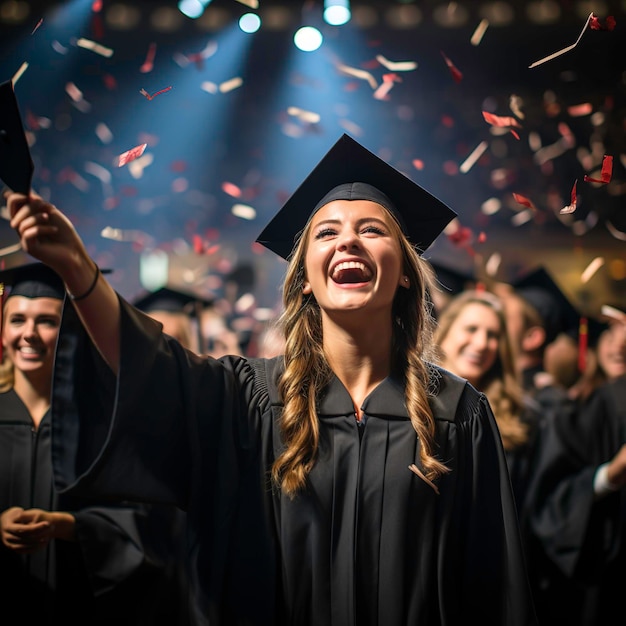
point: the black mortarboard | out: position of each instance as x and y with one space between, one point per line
540 290
34 280
172 300
16 164
452 281
349 171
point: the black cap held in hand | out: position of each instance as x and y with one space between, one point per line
349 171
16 164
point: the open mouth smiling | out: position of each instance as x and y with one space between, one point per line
348 272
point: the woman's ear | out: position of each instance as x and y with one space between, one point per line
306 288
405 282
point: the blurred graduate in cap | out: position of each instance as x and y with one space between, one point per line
350 481
179 310
63 558
579 514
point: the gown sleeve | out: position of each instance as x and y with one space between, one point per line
579 533
171 428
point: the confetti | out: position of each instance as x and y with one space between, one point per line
143 92
231 84
39 23
60 49
396 66
571 207
613 313
617 234
522 217
209 87
243 211
564 50
478 34
73 92
231 189
591 269
596 25
500 121
253 4
456 74
10 249
87 44
134 236
471 160
19 72
579 110
103 133
304 116
382 92
357 73
524 201
515 104
606 173
99 171
148 64
493 264
137 166
131 155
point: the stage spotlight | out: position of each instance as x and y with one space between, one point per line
193 8
337 12
308 38
249 22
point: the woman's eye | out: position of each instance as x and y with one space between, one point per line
374 229
325 232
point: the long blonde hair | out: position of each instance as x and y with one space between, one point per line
307 370
500 383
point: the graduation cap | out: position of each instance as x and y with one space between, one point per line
559 315
349 171
539 289
451 280
174 299
16 164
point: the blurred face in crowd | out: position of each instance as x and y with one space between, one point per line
29 333
611 350
470 346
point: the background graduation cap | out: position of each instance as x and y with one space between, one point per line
175 299
421 215
540 290
16 164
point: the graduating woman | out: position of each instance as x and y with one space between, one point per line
350 481
65 558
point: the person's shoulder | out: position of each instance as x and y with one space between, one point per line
451 395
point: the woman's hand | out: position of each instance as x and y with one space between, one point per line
29 530
46 233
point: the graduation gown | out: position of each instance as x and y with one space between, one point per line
367 542
583 538
107 575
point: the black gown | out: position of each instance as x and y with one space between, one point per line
583 538
109 574
368 542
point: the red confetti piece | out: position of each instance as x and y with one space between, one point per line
39 23
595 24
109 81
198 244
143 92
131 155
501 121
418 164
571 207
96 6
456 74
148 64
524 201
231 189
605 174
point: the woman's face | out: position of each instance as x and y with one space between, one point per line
471 344
353 259
612 351
29 333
